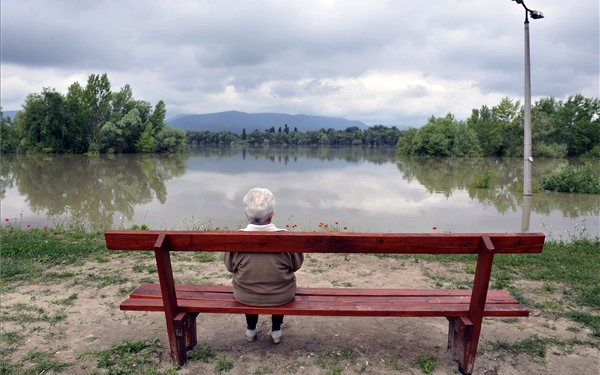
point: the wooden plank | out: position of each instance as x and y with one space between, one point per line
395 243
328 291
326 309
365 300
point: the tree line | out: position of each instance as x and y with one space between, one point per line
91 119
559 129
353 136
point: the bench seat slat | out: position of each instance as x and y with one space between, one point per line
151 288
328 309
498 298
219 299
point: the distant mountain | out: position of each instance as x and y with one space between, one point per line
235 122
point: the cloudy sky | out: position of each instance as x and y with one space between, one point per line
378 61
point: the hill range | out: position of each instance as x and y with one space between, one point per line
235 122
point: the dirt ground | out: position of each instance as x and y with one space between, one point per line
72 313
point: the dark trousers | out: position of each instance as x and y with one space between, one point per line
252 319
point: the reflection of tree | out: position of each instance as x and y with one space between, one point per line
6 175
92 190
375 155
445 175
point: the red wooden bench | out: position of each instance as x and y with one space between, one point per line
465 309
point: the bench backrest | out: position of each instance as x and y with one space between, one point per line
326 242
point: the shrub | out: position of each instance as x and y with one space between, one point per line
553 150
483 179
573 179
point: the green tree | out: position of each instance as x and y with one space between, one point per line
77 138
43 122
157 119
97 100
577 124
146 143
171 140
9 139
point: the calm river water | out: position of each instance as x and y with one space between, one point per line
365 190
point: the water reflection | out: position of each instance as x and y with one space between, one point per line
89 190
368 189
448 175
293 154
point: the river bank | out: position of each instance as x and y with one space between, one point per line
60 291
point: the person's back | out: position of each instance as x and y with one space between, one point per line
263 279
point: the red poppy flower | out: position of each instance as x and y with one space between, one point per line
326 225
434 228
345 228
337 222
28 225
7 219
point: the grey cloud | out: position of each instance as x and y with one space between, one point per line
196 48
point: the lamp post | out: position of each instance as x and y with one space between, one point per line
527 157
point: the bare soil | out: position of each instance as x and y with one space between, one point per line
72 312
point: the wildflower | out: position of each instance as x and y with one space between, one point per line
337 222
8 226
320 222
345 228
326 225
28 225
287 225
7 219
434 228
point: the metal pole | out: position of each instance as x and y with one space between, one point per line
527 158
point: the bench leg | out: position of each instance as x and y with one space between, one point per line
191 337
462 343
179 324
185 335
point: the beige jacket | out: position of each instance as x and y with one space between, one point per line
263 279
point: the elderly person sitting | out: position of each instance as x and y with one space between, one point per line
263 279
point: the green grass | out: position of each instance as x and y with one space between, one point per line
43 362
202 353
537 347
223 364
333 360
133 358
67 301
25 313
27 253
426 363
10 341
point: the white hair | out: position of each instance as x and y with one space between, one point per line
259 204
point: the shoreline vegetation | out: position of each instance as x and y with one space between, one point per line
90 119
94 119
561 286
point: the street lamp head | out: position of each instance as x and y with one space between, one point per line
536 14
518 1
